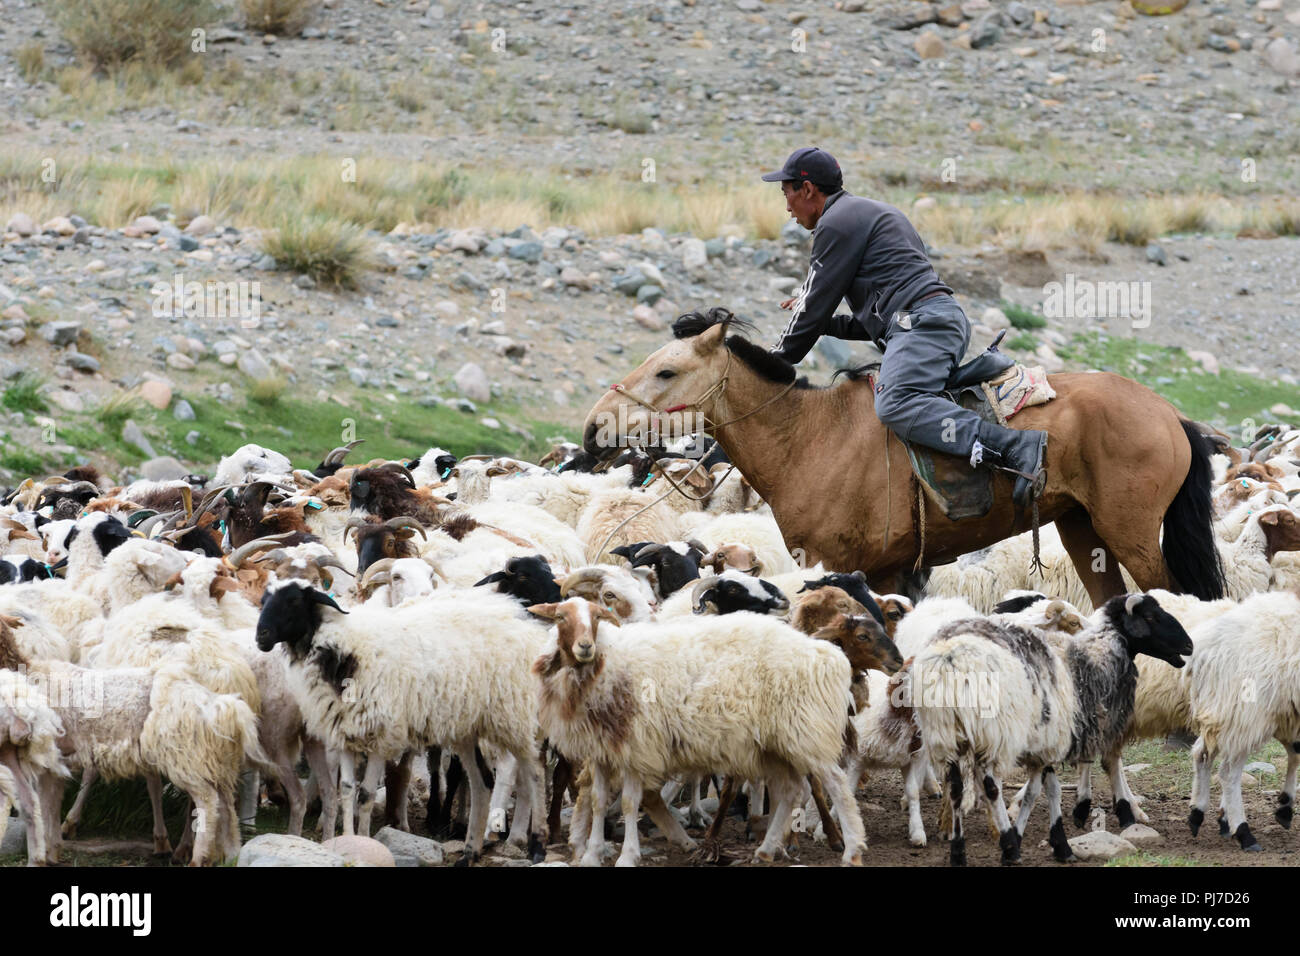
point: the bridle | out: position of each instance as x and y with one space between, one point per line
713 392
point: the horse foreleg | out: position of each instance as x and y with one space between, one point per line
1094 562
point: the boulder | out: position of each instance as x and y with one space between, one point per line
647 319
929 46
473 383
1100 845
200 226
60 334
279 849
695 255
360 851
158 394
164 468
400 843
1139 834
132 435
20 223
253 364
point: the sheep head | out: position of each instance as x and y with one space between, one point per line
813 610
291 615
576 621
732 591
1281 529
863 641
1146 628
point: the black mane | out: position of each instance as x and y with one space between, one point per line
760 360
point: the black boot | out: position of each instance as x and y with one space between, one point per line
1019 452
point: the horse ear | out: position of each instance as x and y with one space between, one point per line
708 340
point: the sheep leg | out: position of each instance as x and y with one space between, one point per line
51 795
294 794
162 845
205 825
1286 799
88 776
324 773
1083 796
912 778
757 801
580 822
479 797
533 798
846 808
185 849
631 854
227 847
697 817
1032 788
1056 834
1127 805
709 850
833 838
1230 771
366 795
397 779
560 779
506 772
785 793
348 791
667 823
1200 785
932 786
1008 837
599 800
29 800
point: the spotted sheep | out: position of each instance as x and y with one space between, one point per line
989 696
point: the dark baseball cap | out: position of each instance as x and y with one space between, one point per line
808 165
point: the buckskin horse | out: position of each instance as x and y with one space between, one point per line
1120 462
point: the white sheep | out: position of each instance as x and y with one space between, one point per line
1243 688
447 671
30 761
741 694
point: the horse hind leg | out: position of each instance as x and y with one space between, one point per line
1094 562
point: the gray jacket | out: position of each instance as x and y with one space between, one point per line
865 251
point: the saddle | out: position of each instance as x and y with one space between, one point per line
995 387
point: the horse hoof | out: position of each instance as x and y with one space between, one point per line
1195 819
1283 816
1081 811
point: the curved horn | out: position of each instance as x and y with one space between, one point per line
336 455
581 576
148 524
240 554
274 557
702 585
397 466
329 561
1132 602
356 521
379 567
476 458
406 521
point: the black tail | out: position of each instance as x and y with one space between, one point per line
1189 545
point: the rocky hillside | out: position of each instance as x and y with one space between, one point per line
144 315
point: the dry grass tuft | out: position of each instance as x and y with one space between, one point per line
111 33
285 17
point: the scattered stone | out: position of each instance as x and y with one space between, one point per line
836 351
1100 845
695 255
60 334
146 225
1207 360
951 15
200 226
66 399
473 383
906 16
446 309
156 393
647 319
1019 13
192 437
180 361
1281 55
995 318
253 364
630 282
1281 410
1139 834
649 294
132 435
574 277
793 234
1260 766
526 252
279 849
81 361
985 31
21 223
1136 767
184 411
929 46
14 841
1156 253
360 851
305 282
59 226
164 468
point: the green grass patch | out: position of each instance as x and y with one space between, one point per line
22 462
1023 342
1022 318
1225 399
24 394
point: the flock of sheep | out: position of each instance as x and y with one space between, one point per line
550 633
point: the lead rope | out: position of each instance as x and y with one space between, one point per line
619 526
920 509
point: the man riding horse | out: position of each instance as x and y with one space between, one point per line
867 252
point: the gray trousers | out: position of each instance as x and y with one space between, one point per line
923 346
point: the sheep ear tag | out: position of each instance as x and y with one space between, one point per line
320 597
